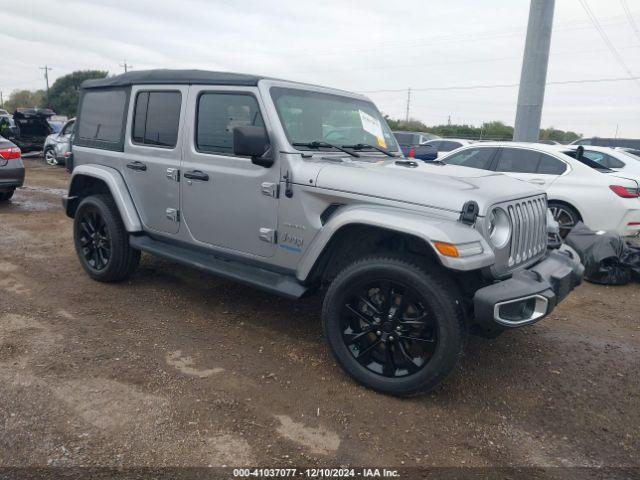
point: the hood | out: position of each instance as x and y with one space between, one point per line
434 185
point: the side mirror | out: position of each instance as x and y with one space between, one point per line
250 141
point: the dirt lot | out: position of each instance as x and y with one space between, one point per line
180 368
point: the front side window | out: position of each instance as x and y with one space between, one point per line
518 160
309 116
156 118
473 157
68 128
219 114
102 117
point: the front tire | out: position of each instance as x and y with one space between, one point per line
392 326
102 242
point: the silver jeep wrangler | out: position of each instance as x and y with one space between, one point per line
295 188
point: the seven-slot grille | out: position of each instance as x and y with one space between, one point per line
529 229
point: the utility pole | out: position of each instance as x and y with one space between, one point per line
534 71
449 120
126 66
46 78
406 118
1 100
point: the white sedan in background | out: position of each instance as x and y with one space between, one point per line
613 158
445 145
577 190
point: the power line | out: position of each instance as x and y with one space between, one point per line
507 85
126 66
605 37
46 69
408 103
632 21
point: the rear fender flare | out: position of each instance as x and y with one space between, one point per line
117 187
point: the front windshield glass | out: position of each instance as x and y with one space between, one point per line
309 116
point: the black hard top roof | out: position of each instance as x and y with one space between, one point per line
165 76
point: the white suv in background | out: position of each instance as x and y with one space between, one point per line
446 145
602 198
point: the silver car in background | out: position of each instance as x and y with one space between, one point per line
58 145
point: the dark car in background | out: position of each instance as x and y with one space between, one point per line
11 169
33 127
609 142
413 145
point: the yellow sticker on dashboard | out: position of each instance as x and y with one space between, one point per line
382 143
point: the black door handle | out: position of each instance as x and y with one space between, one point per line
196 175
139 166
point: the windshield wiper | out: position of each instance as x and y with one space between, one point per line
316 145
362 146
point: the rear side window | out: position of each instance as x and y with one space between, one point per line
551 166
518 160
473 157
102 117
218 115
156 118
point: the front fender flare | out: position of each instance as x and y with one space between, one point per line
426 228
116 185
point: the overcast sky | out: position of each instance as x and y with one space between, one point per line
366 46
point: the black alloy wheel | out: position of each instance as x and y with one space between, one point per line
101 240
94 239
394 324
387 328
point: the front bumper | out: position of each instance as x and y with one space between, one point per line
531 294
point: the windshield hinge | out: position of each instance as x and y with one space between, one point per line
269 189
288 184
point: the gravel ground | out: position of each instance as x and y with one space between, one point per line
175 367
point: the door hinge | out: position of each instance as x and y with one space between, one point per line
269 189
173 214
173 174
267 235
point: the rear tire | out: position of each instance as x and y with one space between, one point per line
102 242
566 216
392 326
6 196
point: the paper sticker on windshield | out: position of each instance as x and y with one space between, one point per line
372 125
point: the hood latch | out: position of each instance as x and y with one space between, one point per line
470 211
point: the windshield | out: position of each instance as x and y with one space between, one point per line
309 116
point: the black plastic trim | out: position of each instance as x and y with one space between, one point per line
270 281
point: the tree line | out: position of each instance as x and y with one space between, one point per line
63 94
487 131
65 91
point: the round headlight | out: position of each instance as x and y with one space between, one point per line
499 227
